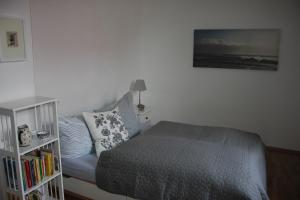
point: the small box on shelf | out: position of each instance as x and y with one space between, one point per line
144 115
144 118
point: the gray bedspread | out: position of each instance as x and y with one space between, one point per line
178 161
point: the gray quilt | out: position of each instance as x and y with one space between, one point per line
178 161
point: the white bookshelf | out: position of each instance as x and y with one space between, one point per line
39 113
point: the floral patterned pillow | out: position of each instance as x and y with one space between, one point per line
107 129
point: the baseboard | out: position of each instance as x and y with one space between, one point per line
281 150
72 195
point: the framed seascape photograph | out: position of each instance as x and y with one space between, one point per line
255 49
12 46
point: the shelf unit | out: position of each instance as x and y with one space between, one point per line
39 113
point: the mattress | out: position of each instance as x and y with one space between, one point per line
82 168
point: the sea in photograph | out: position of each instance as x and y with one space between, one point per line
233 61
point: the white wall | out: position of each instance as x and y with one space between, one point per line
260 101
86 53
89 59
16 78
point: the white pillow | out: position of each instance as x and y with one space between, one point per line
106 128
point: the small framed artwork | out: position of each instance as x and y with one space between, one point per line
254 49
12 47
12 39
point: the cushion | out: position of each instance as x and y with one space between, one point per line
107 129
107 107
128 114
75 139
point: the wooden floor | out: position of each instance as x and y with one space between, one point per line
283 176
72 196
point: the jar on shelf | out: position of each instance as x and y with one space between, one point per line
24 135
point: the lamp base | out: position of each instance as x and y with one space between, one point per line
141 107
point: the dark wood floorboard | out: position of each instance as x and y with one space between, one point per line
283 170
283 175
72 196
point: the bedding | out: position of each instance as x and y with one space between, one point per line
107 129
180 161
127 112
83 167
75 139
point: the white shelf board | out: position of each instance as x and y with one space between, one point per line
37 143
7 153
44 181
25 103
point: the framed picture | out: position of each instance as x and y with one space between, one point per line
12 46
255 49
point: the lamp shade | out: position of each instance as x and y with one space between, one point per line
140 85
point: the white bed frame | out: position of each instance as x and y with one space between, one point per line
90 190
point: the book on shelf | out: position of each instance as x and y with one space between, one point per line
49 161
11 172
12 196
43 193
24 175
31 170
40 164
35 167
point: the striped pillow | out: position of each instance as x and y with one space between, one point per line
75 139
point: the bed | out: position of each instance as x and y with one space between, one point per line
180 161
82 168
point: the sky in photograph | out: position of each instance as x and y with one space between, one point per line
241 42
